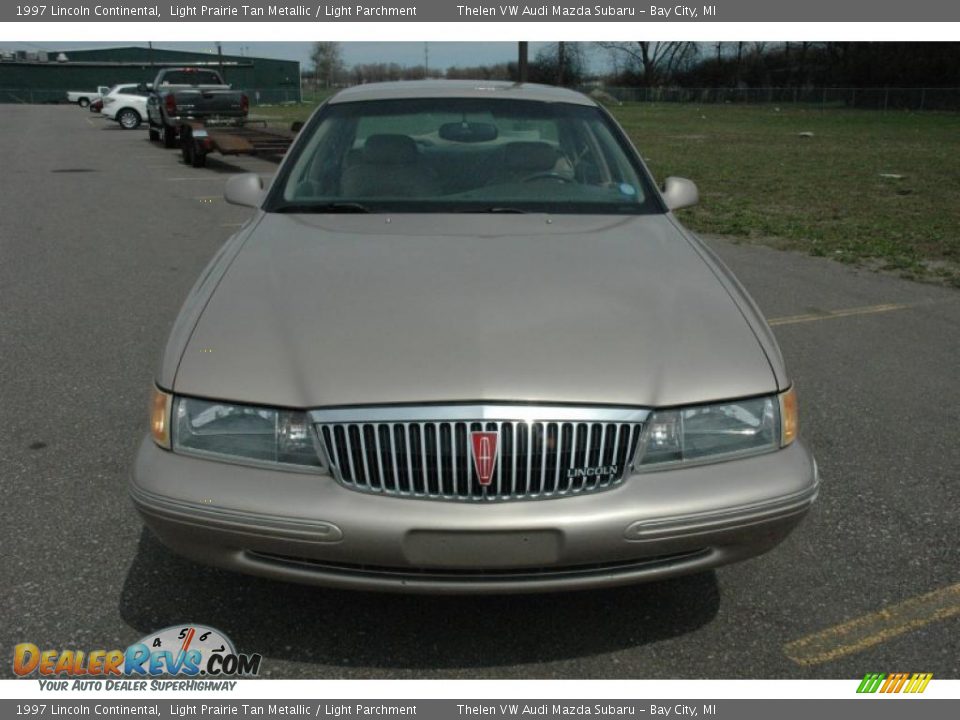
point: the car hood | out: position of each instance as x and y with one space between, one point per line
328 310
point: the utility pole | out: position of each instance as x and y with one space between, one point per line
426 60
522 62
220 60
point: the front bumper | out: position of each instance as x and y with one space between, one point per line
307 528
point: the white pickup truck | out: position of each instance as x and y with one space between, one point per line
83 98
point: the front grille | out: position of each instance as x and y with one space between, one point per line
434 458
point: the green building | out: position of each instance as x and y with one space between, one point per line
40 77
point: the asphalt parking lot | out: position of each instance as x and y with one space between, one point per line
102 234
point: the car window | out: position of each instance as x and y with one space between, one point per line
447 154
191 77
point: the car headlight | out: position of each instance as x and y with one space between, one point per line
719 431
244 433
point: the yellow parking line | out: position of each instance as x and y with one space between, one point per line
831 314
864 632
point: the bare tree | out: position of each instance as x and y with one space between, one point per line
327 58
558 64
739 63
657 60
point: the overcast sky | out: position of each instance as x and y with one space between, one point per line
442 54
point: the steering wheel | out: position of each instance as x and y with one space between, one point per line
548 175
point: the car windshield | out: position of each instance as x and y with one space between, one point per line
191 77
462 155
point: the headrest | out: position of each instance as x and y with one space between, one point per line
390 150
530 156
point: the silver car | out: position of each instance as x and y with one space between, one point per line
464 345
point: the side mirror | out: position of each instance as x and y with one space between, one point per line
246 190
680 193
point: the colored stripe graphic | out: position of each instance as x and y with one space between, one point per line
918 683
870 683
894 682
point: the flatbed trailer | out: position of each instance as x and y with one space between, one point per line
249 137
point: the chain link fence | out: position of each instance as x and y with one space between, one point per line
273 96
946 99
29 96
863 98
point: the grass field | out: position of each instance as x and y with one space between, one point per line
760 181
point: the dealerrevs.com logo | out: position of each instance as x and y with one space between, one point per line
185 651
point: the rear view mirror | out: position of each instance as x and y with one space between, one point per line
680 193
245 189
468 132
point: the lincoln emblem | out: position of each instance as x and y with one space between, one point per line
485 446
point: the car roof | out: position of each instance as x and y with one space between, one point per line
413 89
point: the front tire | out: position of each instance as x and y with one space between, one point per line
83 102
129 119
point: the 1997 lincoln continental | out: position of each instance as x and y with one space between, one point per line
464 345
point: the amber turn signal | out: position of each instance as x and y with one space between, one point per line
160 418
788 417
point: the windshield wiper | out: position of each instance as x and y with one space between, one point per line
331 207
495 209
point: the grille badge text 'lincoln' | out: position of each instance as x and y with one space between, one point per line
589 472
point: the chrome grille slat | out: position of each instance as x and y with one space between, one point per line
432 457
586 457
545 455
453 452
601 459
406 444
439 436
513 465
528 478
376 438
363 452
348 446
425 479
556 476
393 457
